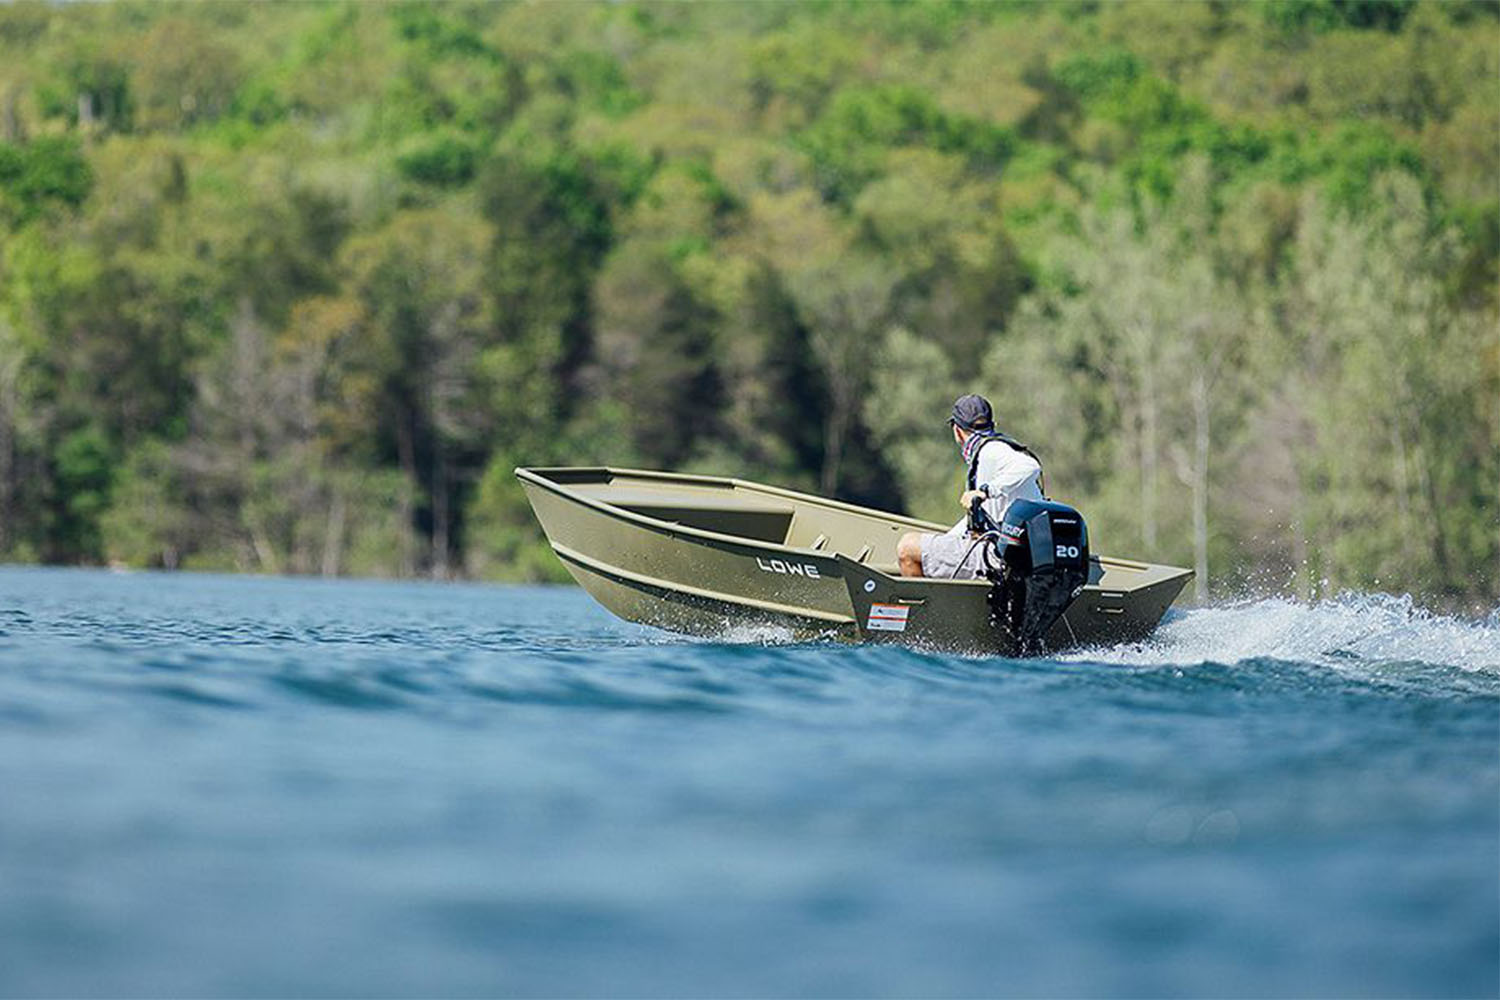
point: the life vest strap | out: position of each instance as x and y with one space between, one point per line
1012 442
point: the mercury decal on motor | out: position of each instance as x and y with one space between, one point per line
788 568
887 617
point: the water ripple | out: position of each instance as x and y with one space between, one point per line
394 788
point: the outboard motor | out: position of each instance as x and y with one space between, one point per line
1037 563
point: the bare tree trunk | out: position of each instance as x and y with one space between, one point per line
1148 459
833 445
248 408
333 538
440 513
1299 550
306 499
1434 518
845 306
1403 482
1201 415
10 121
1149 432
406 451
7 454
1143 378
303 513
265 552
1140 448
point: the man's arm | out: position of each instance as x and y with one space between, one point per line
1003 475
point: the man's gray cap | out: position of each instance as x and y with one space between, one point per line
973 413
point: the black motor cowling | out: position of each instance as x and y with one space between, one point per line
1037 564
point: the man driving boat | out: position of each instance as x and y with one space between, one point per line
1001 471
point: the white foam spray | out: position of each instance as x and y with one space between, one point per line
761 634
1368 628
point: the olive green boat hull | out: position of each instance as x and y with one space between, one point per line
704 555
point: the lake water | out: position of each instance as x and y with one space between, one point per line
246 786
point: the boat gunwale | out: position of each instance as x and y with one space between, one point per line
536 476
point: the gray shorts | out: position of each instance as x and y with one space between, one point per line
941 555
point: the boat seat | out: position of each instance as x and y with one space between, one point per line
742 517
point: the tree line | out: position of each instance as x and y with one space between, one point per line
293 288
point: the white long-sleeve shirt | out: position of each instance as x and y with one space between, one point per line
1010 474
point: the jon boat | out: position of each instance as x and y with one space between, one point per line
701 554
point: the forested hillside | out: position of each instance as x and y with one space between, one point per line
292 288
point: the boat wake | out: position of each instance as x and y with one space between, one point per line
1351 628
1351 634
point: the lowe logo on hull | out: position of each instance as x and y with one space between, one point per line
788 568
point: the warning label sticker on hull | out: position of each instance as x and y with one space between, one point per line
888 618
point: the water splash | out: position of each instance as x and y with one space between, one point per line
759 634
1351 628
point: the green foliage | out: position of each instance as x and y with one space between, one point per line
47 170
83 474
1163 127
259 103
294 288
849 141
1102 75
183 75
440 36
596 81
1326 15
145 524
507 546
1353 156
645 303
90 81
286 248
908 374
444 161
798 69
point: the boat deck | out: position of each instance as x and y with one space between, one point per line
761 513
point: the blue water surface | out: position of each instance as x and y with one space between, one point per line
220 786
